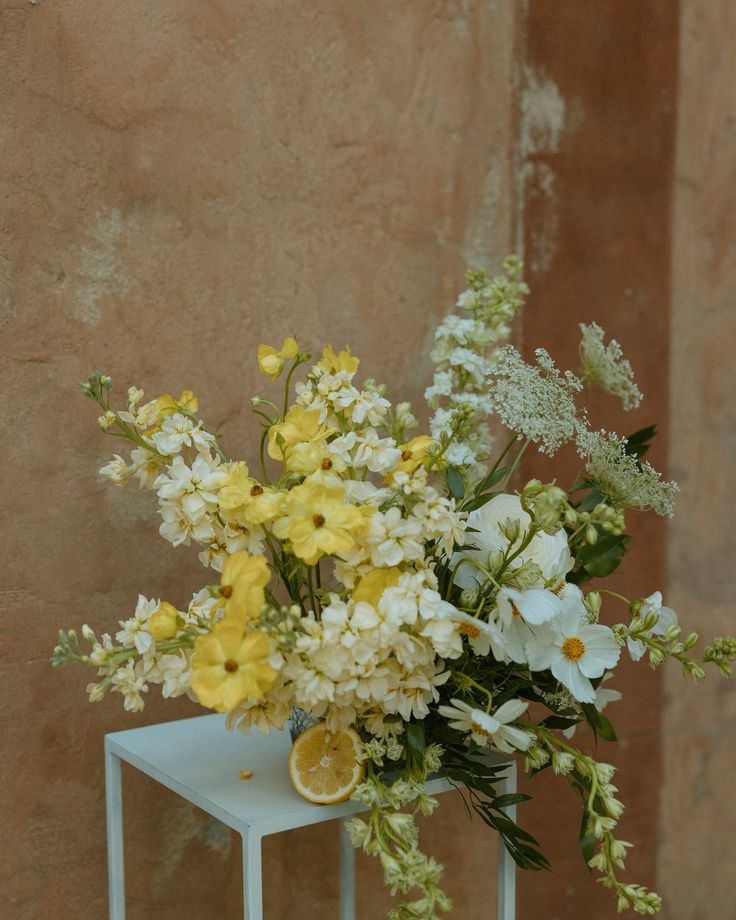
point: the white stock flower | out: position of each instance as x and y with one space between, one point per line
194 488
178 431
134 632
490 730
378 454
130 681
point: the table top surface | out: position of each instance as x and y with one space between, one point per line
201 761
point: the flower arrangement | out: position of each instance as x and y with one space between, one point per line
398 589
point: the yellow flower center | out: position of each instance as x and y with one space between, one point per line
468 629
231 666
327 464
573 648
256 490
226 590
478 729
318 520
406 455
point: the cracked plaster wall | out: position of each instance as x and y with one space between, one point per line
179 182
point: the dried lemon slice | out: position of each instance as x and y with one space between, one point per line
324 766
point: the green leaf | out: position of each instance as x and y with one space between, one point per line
601 558
455 482
479 501
559 722
638 444
415 739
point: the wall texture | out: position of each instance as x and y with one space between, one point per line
698 807
182 181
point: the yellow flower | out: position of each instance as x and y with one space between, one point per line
271 362
163 623
229 666
317 522
243 579
332 363
300 426
414 453
374 583
167 405
244 499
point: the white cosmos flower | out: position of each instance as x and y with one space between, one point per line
520 610
487 729
574 650
549 551
603 696
667 618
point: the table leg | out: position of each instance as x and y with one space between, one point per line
252 878
506 865
347 874
115 856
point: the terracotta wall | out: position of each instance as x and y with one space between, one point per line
181 181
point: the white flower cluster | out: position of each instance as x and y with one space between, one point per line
463 353
535 401
143 656
414 515
606 366
621 478
364 661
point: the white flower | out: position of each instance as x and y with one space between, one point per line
194 488
263 715
177 431
117 470
549 551
574 651
621 478
520 610
667 619
535 401
486 729
393 539
129 681
606 366
134 634
379 455
447 629
174 672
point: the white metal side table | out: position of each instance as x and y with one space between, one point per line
201 761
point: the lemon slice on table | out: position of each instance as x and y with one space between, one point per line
324 766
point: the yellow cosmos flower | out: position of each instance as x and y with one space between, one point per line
374 583
317 522
167 405
300 426
229 667
414 453
163 624
271 362
243 579
244 499
332 363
